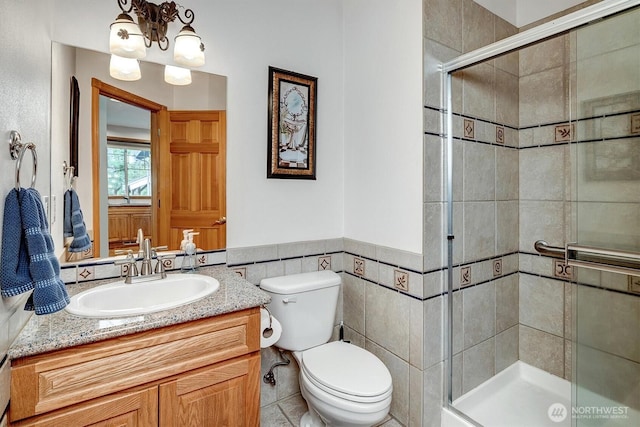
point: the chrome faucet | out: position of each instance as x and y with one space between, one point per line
145 266
146 272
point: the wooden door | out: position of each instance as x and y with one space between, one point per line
192 179
126 409
226 394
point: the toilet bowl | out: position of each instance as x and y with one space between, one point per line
343 385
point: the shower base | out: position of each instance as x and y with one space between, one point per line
525 396
520 395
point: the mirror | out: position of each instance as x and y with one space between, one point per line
151 155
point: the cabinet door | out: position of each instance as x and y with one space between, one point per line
135 409
226 394
119 227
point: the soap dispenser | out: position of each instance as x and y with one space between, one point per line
189 260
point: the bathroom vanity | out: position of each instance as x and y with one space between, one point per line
197 364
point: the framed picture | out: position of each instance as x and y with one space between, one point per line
74 111
292 125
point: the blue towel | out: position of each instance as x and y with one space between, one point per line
14 261
49 292
67 228
81 241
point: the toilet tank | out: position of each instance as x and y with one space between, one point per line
305 305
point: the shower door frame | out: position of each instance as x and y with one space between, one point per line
531 36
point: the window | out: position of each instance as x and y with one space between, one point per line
129 169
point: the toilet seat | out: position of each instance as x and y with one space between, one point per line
346 371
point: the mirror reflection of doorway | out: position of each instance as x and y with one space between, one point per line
128 173
177 183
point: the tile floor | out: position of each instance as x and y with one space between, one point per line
287 413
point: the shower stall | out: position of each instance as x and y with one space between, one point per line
542 143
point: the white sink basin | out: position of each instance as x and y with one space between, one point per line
120 300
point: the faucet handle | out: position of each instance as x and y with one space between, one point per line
160 269
130 260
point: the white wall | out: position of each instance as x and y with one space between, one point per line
243 38
25 73
383 122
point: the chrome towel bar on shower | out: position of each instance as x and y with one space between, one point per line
544 248
612 260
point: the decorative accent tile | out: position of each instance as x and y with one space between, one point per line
634 284
401 280
561 270
202 259
563 133
86 273
358 266
168 263
242 272
324 263
465 276
469 126
635 123
497 267
499 134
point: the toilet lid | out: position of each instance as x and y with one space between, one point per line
347 368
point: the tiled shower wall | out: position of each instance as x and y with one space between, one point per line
485 191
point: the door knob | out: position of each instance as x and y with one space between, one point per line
221 221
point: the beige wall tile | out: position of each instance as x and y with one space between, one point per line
608 321
507 302
443 22
480 171
478 364
542 350
506 348
479 91
353 290
433 169
541 220
542 97
478 26
399 370
387 319
479 230
434 311
435 54
507 174
432 395
479 313
542 304
507 98
507 226
542 173
543 56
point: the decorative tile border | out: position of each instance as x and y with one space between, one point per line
499 135
324 263
358 266
561 270
401 280
465 276
469 128
497 267
635 123
563 133
634 284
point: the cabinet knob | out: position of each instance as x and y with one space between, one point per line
222 220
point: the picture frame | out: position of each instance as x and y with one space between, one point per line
292 125
74 112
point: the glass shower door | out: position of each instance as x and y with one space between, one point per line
606 222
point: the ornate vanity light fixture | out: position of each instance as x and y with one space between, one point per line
130 40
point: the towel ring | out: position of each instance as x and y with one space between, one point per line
17 150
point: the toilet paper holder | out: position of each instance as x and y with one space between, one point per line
268 330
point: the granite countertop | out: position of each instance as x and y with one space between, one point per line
62 329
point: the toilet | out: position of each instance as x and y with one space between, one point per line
343 384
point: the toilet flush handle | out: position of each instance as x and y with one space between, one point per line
289 300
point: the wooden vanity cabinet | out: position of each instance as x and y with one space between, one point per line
201 373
